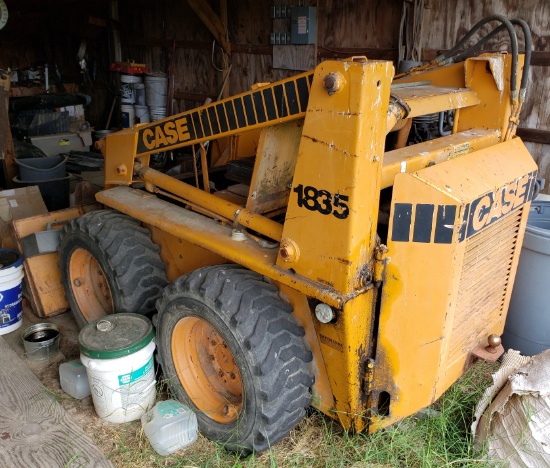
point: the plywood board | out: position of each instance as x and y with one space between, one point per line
35 430
294 57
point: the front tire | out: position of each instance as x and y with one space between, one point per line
109 264
231 350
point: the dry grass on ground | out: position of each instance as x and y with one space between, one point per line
440 438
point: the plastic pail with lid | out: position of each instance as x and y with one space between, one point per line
128 115
139 91
157 113
127 91
117 351
11 296
156 89
142 114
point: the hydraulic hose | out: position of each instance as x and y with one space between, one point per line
528 49
474 48
513 39
516 106
528 46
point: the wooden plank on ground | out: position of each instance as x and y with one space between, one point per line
34 429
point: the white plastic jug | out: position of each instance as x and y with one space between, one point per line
170 426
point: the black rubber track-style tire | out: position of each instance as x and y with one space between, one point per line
120 254
266 346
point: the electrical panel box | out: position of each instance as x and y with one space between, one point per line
303 25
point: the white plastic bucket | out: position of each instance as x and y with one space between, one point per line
142 114
139 91
123 389
127 91
128 115
156 89
157 113
11 296
117 351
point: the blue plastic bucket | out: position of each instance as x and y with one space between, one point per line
11 296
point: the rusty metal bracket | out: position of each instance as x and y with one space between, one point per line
481 352
381 260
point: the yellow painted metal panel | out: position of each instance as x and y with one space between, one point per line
449 76
274 167
346 348
489 77
430 99
415 157
180 256
433 310
337 178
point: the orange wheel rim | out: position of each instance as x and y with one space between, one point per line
207 370
89 285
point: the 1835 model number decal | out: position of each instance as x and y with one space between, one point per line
322 201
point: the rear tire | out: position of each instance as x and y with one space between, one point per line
109 264
231 350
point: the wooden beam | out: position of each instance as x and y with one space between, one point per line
538 58
344 52
224 93
212 21
534 135
180 44
267 49
7 151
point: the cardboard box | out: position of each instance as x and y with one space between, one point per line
16 204
57 143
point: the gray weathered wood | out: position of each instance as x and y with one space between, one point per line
34 429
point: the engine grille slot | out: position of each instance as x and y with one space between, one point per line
484 281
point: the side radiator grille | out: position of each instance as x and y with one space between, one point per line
484 281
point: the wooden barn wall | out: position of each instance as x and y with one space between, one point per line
171 36
446 22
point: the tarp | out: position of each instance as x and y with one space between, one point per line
513 416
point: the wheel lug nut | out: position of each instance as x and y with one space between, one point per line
78 282
226 409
